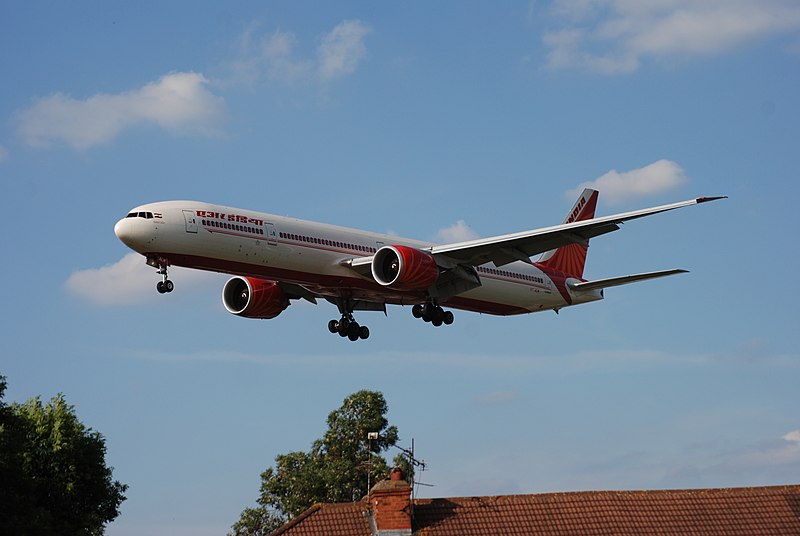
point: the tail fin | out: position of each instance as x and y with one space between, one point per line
572 258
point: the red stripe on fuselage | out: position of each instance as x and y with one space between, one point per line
333 285
559 279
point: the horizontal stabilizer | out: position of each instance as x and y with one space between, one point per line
624 280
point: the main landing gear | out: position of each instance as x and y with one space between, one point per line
348 327
430 312
166 285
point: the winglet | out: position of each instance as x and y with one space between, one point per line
706 199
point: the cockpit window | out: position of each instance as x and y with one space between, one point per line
145 215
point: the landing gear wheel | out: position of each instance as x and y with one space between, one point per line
437 316
448 317
164 285
341 326
433 313
353 331
347 326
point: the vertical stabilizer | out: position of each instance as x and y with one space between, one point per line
571 259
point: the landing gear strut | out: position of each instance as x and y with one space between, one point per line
433 313
347 325
166 285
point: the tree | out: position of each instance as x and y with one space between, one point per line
55 480
338 468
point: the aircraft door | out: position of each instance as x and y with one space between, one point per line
272 236
191 221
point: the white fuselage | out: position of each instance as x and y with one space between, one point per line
313 255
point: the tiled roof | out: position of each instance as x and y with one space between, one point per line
766 510
771 510
329 519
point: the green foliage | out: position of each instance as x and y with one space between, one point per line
53 472
258 521
338 468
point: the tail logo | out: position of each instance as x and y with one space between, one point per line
577 210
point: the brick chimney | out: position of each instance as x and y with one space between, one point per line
390 502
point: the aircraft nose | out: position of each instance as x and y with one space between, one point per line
124 229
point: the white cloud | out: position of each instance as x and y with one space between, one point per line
130 281
793 436
458 232
178 102
3 154
615 36
617 187
274 58
270 58
342 49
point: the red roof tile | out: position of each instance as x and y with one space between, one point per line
764 510
329 519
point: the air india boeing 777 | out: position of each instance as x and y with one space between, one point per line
275 260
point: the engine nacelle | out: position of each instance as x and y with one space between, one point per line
404 268
254 298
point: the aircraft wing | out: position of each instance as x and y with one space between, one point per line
504 249
522 246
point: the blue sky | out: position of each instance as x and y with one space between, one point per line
451 120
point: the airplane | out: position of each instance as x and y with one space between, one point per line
275 260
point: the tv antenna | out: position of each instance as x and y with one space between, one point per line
414 462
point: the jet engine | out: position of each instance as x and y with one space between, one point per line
254 298
404 268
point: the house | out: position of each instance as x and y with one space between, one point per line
390 511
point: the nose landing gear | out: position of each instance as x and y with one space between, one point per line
430 312
166 285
